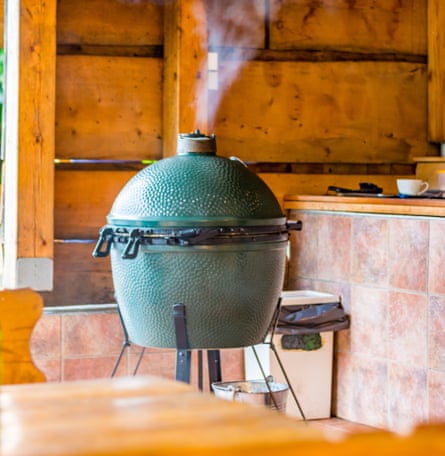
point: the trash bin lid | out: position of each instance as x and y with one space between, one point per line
302 297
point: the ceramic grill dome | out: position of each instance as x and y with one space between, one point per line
199 230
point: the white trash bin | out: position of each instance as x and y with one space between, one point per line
309 370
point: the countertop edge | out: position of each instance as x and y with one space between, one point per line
369 205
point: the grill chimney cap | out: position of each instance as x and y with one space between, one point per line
196 143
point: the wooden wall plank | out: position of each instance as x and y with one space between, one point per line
109 22
236 23
362 25
185 71
83 199
436 70
317 184
79 278
36 129
368 112
108 107
354 112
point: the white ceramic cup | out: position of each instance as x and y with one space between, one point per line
412 187
440 175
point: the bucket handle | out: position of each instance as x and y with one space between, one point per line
234 391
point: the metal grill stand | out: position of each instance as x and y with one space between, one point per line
183 355
183 352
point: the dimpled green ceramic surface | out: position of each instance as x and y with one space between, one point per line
230 290
195 188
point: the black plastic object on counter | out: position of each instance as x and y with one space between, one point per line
365 188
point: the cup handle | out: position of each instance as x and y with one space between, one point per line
424 188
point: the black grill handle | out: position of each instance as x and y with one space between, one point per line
106 235
295 226
132 248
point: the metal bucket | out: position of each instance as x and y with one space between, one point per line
256 392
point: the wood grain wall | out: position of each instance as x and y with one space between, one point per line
307 92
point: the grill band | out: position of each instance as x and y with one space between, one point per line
136 237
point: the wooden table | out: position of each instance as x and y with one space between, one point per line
153 416
136 416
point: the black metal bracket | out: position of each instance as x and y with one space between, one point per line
183 354
214 363
106 236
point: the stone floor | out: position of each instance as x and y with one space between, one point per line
337 427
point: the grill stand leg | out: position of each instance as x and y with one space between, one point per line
214 363
183 355
271 344
267 379
200 370
141 355
283 370
125 344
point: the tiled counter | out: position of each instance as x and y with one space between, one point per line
389 270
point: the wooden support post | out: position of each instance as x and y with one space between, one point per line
436 71
185 71
29 143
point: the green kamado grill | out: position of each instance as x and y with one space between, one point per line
202 231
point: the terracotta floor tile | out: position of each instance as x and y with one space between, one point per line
337 428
